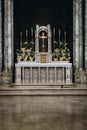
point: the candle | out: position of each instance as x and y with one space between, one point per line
21 39
59 35
32 32
54 32
65 36
26 35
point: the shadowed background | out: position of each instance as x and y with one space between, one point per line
57 13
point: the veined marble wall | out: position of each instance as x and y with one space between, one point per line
8 35
0 35
8 41
80 76
85 34
0 41
77 35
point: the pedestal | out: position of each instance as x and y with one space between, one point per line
80 76
86 75
7 77
0 77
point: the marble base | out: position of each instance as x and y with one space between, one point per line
0 77
80 76
7 77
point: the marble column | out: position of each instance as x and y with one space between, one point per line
78 40
8 41
36 39
77 35
49 38
80 36
49 43
0 38
86 34
85 39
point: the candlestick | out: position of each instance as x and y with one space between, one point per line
59 35
32 32
65 36
21 39
54 32
26 35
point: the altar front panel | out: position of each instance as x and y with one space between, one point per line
43 73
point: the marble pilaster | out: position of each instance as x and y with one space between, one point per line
85 34
0 35
76 34
49 38
36 39
8 41
80 36
0 41
77 39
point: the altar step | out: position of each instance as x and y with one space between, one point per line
41 91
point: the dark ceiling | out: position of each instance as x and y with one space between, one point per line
32 12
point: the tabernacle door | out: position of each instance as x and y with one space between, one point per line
43 41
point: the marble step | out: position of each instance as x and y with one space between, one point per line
41 91
43 85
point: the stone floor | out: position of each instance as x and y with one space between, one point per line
43 112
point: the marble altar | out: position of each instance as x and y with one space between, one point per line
43 73
43 65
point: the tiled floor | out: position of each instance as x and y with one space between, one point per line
43 112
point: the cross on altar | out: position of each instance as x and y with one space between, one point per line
43 37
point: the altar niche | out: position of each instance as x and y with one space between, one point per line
43 49
43 41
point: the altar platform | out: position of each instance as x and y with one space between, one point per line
34 90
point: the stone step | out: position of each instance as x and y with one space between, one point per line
41 91
43 85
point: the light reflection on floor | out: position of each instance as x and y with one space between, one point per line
43 112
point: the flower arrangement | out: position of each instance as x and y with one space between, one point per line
25 53
61 53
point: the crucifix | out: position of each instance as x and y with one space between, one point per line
43 37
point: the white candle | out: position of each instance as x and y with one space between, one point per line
54 32
21 39
31 31
59 35
65 36
26 35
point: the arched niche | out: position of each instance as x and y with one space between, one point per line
43 43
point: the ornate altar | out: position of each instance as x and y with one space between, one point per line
43 61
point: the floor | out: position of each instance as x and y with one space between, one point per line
43 112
